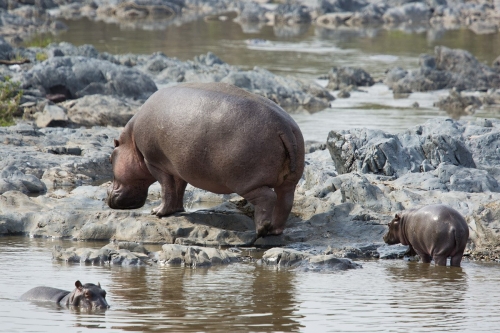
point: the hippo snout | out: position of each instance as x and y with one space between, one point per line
123 197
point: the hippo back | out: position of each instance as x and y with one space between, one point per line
44 294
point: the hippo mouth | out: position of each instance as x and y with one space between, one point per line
389 240
119 198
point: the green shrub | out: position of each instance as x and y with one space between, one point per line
10 96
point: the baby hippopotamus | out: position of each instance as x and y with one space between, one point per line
433 232
87 296
216 137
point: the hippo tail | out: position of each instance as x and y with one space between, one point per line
290 142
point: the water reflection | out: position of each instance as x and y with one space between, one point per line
227 39
383 296
273 295
436 293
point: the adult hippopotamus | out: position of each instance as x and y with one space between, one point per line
88 296
433 232
216 137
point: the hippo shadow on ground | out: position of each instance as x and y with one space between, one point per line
220 219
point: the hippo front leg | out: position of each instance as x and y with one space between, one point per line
172 192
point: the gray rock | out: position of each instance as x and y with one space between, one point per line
373 151
447 69
457 104
6 50
100 110
344 77
195 256
288 258
334 6
52 116
13 179
109 254
78 76
392 251
410 13
291 14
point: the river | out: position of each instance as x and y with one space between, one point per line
383 296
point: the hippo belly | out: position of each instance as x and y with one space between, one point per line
215 137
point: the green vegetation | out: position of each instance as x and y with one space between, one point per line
10 96
40 41
41 56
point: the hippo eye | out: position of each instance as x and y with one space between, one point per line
87 294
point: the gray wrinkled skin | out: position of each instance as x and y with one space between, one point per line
88 296
216 137
433 232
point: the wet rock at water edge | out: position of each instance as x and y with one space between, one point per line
457 104
447 69
287 258
344 77
397 251
134 254
119 254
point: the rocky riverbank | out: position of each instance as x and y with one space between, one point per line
20 19
55 166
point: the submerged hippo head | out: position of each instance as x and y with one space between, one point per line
131 178
392 235
88 296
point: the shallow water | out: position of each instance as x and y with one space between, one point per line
383 296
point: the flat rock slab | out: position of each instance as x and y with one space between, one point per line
134 254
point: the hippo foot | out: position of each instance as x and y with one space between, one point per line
275 232
264 229
163 211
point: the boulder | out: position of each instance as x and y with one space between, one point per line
374 151
448 69
13 179
52 116
76 76
344 77
100 110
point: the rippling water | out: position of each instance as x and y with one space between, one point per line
383 296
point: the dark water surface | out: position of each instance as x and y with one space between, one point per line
383 296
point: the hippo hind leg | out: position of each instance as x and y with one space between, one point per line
264 200
440 260
172 192
426 259
456 259
284 202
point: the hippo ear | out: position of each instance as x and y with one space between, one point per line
78 284
98 284
116 142
397 217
